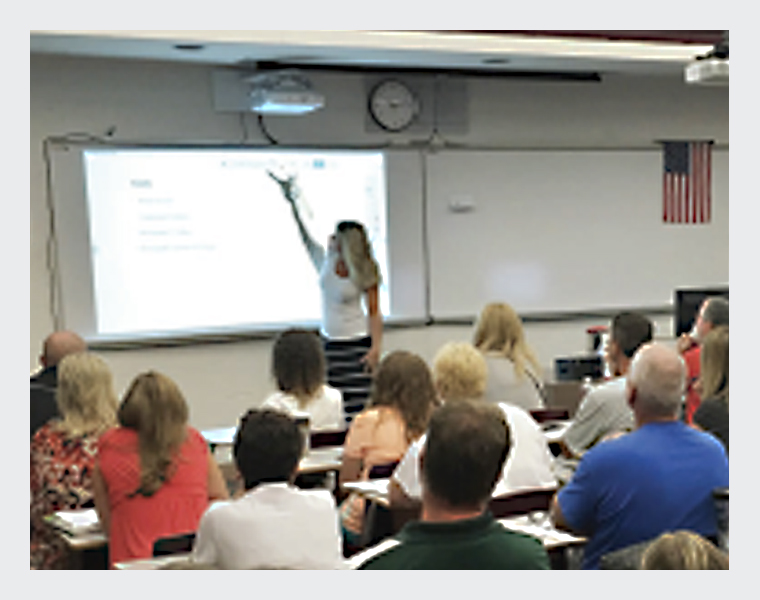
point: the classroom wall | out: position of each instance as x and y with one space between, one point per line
172 103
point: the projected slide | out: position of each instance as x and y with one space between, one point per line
203 240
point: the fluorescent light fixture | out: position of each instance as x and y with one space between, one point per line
708 71
273 102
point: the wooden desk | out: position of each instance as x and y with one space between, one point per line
539 526
225 436
221 436
87 550
564 549
321 460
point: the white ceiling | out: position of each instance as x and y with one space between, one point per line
389 49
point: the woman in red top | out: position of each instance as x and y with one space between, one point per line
154 475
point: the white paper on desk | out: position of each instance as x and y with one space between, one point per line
76 521
374 486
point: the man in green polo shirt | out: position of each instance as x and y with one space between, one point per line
467 444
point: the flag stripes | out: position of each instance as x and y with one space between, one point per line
686 182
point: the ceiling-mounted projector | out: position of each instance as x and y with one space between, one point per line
712 68
708 71
285 92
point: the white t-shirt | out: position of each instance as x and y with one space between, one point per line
274 526
503 385
342 313
604 410
528 465
325 410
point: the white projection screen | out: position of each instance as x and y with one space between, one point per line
156 243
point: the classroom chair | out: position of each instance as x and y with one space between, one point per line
544 415
174 544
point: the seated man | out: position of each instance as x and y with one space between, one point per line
459 373
273 525
658 478
42 386
467 444
605 410
713 313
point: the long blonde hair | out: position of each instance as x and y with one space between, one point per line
85 395
714 364
155 407
356 250
499 329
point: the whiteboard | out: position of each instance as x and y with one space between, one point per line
552 232
223 256
564 231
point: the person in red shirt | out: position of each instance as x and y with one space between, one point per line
154 475
713 313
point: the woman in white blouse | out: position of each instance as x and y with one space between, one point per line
298 367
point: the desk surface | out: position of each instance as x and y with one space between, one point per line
320 460
84 541
538 525
221 436
79 529
375 489
150 564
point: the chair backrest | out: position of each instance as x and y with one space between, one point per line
383 471
720 500
625 559
521 503
550 414
322 439
174 544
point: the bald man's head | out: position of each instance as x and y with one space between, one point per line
60 344
657 377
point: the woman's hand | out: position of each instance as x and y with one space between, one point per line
286 185
371 359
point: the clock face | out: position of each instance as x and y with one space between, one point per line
393 105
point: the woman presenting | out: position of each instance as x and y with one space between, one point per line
352 325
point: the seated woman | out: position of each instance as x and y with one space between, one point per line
460 373
63 451
298 367
514 374
154 475
712 414
402 400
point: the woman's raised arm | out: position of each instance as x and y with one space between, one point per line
290 191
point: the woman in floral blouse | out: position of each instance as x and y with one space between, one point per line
63 450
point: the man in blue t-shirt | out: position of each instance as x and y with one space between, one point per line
658 478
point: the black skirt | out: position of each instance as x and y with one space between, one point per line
346 372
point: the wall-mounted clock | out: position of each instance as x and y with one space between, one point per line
393 105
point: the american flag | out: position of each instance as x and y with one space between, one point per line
686 182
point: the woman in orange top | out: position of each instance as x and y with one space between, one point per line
402 399
154 475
